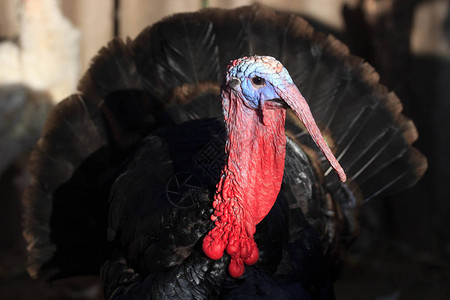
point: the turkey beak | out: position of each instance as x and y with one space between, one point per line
292 96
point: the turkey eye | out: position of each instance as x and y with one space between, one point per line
258 80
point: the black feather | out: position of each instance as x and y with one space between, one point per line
129 166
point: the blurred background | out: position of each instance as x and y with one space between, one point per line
403 251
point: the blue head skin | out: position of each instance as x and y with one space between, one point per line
258 79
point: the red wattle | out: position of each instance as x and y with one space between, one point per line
250 182
213 248
236 267
252 257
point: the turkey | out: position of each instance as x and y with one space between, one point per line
177 174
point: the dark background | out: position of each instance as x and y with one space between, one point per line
403 251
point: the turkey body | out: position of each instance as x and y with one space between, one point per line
125 172
161 208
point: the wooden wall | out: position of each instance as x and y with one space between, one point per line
96 19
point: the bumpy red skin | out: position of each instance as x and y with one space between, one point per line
252 176
250 181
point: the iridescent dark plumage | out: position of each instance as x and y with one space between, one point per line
125 172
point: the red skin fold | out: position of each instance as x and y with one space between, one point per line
252 176
250 180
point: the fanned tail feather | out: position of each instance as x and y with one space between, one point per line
171 73
76 126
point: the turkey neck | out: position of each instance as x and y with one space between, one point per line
255 149
250 180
